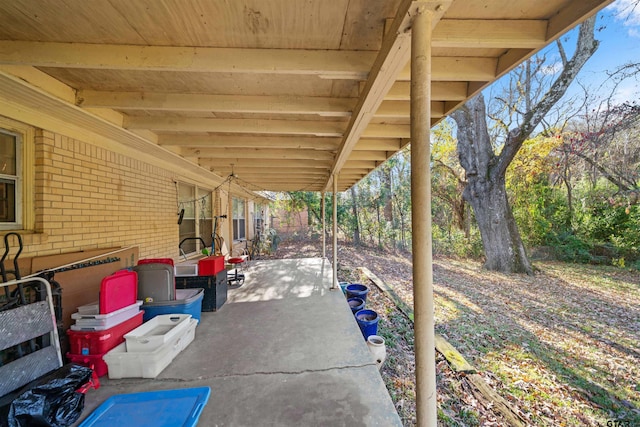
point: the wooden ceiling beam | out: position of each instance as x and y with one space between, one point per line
502 34
390 61
379 156
329 64
441 91
285 179
457 69
361 164
294 187
401 109
378 130
245 126
239 162
264 154
259 171
354 171
573 12
159 101
236 141
391 144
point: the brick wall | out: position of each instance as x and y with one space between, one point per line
88 197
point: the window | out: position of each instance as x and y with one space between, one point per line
205 216
186 201
197 218
10 180
238 219
259 221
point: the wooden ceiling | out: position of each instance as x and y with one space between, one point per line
284 93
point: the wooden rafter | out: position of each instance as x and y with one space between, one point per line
389 63
241 141
158 101
281 127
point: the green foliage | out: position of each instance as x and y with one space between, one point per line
570 248
609 225
538 208
598 228
453 242
601 225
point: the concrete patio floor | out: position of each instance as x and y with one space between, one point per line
283 351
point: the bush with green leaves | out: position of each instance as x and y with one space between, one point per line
453 242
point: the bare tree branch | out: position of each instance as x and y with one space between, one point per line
586 46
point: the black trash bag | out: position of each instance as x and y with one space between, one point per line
52 400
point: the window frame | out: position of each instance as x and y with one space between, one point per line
193 209
25 176
239 222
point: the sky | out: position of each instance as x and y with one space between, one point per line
618 30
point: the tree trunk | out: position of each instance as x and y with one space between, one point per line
501 240
486 192
566 179
386 192
485 170
356 221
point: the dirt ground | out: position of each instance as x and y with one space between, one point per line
562 347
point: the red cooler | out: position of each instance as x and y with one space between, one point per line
211 265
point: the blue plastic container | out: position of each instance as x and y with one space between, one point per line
368 322
163 408
356 290
188 301
356 304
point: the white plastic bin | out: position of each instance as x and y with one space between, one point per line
124 364
93 308
156 332
186 269
98 322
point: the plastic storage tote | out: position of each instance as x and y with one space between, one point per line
155 282
157 332
215 289
99 342
188 301
124 364
186 269
118 291
134 408
168 261
93 308
100 322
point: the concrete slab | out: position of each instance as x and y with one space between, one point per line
284 350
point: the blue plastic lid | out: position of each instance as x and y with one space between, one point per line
167 408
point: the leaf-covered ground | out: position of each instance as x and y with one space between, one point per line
562 347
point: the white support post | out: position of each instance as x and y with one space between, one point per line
334 284
324 225
426 404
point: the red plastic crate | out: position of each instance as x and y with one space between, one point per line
93 361
156 261
211 265
85 343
